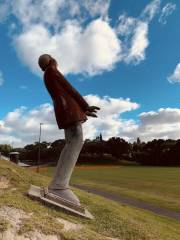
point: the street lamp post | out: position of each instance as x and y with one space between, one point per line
39 148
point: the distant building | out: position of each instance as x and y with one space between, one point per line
14 157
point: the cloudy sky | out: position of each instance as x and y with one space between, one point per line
123 56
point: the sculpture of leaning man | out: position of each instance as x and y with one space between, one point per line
71 111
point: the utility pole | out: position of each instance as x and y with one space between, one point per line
39 149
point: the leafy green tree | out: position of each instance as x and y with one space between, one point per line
117 146
5 149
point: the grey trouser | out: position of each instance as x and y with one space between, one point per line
68 157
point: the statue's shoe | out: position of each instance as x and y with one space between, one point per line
66 194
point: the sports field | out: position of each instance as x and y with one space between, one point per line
155 185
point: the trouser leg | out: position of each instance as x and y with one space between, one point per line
68 157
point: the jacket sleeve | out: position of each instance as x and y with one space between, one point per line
73 92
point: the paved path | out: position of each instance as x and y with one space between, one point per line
133 202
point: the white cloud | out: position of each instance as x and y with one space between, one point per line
54 13
150 10
79 34
1 78
139 43
135 33
167 10
164 123
125 25
90 50
96 8
22 125
32 12
175 77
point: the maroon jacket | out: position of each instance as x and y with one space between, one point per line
69 105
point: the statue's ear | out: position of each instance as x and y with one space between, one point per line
52 61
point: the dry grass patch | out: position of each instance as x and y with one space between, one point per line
4 182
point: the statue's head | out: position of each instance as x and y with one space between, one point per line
45 60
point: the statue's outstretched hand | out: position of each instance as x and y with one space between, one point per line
90 114
91 111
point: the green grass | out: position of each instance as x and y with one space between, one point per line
155 185
111 219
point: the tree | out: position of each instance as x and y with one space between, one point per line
5 149
58 143
118 146
100 137
138 141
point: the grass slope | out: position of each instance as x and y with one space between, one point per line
111 219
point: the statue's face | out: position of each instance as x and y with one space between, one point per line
44 60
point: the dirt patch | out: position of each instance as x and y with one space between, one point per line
41 169
69 226
15 217
4 182
93 167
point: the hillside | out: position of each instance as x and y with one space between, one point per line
22 218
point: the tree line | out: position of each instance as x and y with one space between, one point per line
157 152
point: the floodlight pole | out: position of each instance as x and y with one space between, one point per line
39 149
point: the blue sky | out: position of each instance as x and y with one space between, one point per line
122 56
